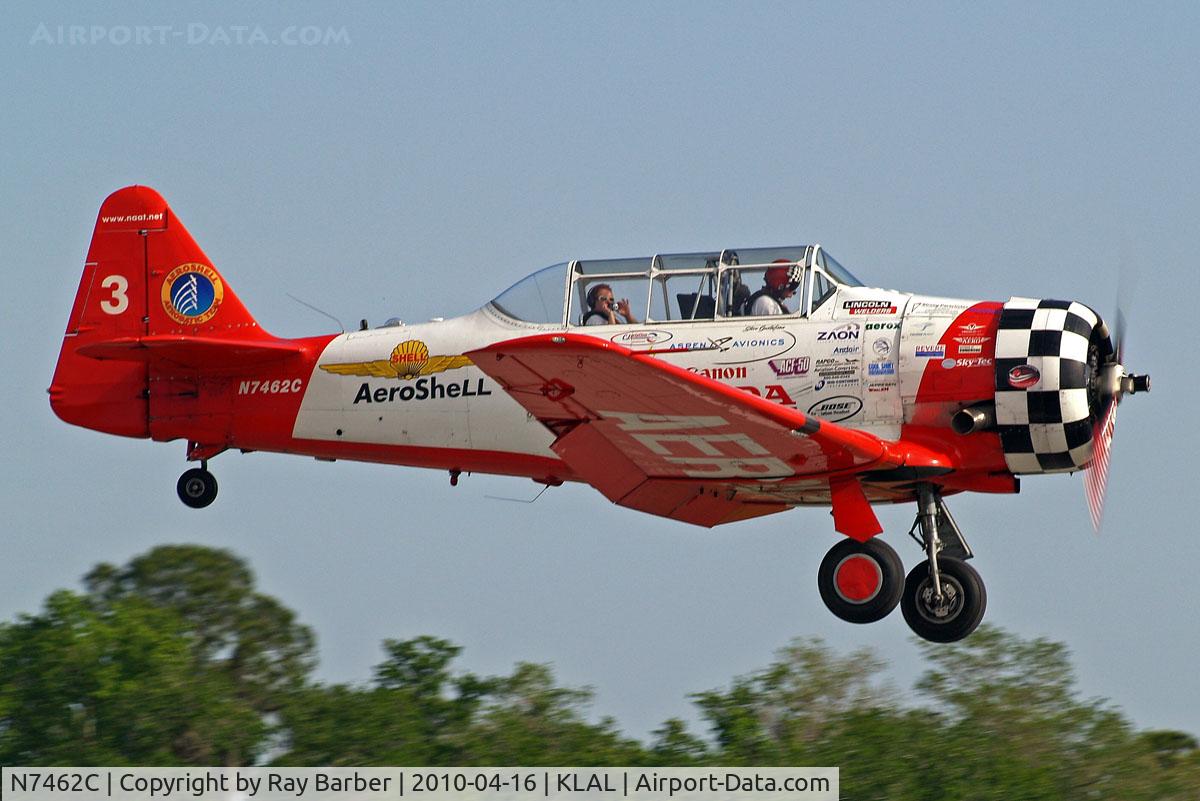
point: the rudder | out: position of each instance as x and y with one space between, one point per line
144 279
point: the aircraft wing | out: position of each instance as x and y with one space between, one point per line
657 438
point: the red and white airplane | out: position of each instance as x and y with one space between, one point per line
704 387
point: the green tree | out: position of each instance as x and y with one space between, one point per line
253 638
417 712
780 714
86 684
530 720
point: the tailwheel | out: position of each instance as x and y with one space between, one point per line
950 614
861 582
197 487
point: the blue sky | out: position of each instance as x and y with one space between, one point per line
432 154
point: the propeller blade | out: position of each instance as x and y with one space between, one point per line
1095 478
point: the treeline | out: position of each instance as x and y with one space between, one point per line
176 659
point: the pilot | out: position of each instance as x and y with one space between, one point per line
779 284
604 308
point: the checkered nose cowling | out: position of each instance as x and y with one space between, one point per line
1047 353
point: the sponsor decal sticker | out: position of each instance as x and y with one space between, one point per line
719 373
882 347
881 326
931 351
778 343
771 392
971 328
837 408
408 360
846 350
192 293
791 366
869 306
972 340
939 308
881 368
976 361
424 388
635 338
1023 376
963 349
842 332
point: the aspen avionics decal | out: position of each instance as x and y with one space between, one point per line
192 293
409 359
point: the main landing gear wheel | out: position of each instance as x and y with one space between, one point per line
956 613
861 582
197 487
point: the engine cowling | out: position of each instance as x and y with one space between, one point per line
1049 357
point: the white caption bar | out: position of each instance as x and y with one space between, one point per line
426 784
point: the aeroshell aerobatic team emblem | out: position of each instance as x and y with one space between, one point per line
192 293
409 359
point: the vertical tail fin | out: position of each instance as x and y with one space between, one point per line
145 280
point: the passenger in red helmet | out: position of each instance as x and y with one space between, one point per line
780 283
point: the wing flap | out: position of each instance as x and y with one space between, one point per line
658 438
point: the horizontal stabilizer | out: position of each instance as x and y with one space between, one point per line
191 351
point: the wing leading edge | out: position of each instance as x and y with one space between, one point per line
654 437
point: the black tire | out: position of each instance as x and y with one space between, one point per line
964 601
868 604
197 487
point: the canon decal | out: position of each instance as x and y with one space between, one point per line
837 408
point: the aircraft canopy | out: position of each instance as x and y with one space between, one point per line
674 286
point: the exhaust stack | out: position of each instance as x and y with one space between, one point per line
974 418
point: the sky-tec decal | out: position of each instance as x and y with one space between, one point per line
422 389
409 359
192 293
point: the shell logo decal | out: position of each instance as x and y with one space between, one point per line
192 293
408 360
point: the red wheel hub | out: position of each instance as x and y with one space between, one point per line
858 579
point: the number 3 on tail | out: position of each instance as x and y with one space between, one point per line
119 301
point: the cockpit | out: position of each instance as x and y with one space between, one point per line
679 286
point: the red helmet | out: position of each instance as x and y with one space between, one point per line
788 277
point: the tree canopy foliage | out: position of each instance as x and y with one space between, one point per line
176 659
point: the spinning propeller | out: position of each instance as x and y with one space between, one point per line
1110 383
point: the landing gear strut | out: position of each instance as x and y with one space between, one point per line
197 487
944 598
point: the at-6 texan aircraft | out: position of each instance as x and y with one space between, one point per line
704 387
